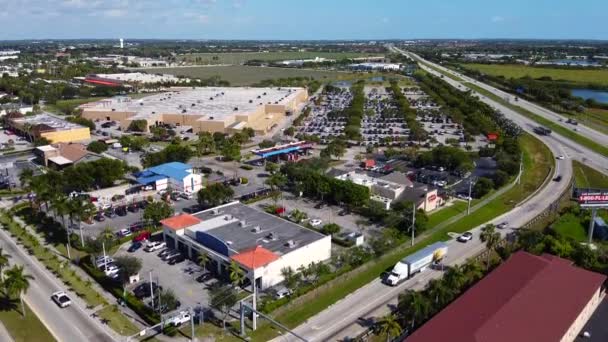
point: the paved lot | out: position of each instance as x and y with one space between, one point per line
180 277
328 214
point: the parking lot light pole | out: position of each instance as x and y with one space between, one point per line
151 290
105 261
469 198
413 222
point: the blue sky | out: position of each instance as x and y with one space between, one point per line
309 19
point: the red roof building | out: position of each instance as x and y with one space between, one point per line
180 222
528 298
255 258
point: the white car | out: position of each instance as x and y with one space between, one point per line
315 222
467 236
61 298
110 270
154 246
124 232
101 261
181 318
560 157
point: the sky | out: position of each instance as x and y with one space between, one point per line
303 20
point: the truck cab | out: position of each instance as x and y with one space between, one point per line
398 274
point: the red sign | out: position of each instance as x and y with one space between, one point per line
586 198
432 198
492 136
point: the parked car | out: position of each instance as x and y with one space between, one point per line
204 277
282 293
143 290
101 261
177 259
465 237
315 222
343 212
503 225
61 298
110 213
154 246
181 318
134 247
111 269
142 237
171 255
123 232
99 217
165 252
121 211
320 205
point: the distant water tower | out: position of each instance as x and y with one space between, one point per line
122 43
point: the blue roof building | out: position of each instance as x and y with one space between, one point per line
178 176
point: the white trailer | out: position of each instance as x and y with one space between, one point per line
416 262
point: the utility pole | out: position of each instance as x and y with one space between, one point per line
592 224
105 261
469 198
192 324
413 222
151 290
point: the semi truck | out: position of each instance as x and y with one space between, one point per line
416 262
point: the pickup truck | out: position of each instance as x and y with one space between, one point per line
416 262
181 318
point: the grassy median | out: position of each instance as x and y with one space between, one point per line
538 161
587 177
561 130
23 329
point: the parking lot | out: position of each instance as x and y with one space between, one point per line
180 278
327 214
383 124
326 119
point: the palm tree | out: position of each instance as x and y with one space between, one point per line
413 306
3 262
455 278
203 259
472 271
17 283
439 293
491 237
25 178
237 276
388 326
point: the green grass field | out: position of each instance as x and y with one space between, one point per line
595 118
599 148
116 321
242 57
458 207
586 177
24 329
538 161
583 76
242 75
570 225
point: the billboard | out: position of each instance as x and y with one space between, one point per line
591 197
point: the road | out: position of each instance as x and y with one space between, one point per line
351 316
66 325
569 148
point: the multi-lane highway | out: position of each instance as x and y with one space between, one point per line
350 316
66 325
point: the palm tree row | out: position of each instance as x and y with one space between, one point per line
50 194
416 307
14 282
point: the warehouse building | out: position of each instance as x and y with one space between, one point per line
175 176
55 129
528 298
209 109
261 243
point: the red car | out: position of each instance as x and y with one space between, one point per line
279 211
142 237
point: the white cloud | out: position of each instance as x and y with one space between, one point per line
497 19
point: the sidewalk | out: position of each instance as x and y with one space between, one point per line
4 335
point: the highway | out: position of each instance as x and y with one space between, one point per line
570 148
66 325
351 315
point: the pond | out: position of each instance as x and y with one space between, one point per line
598 95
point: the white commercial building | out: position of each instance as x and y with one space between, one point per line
262 244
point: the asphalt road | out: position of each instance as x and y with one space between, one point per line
351 316
69 324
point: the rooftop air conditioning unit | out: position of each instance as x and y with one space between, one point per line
243 223
215 211
290 243
256 229
273 236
